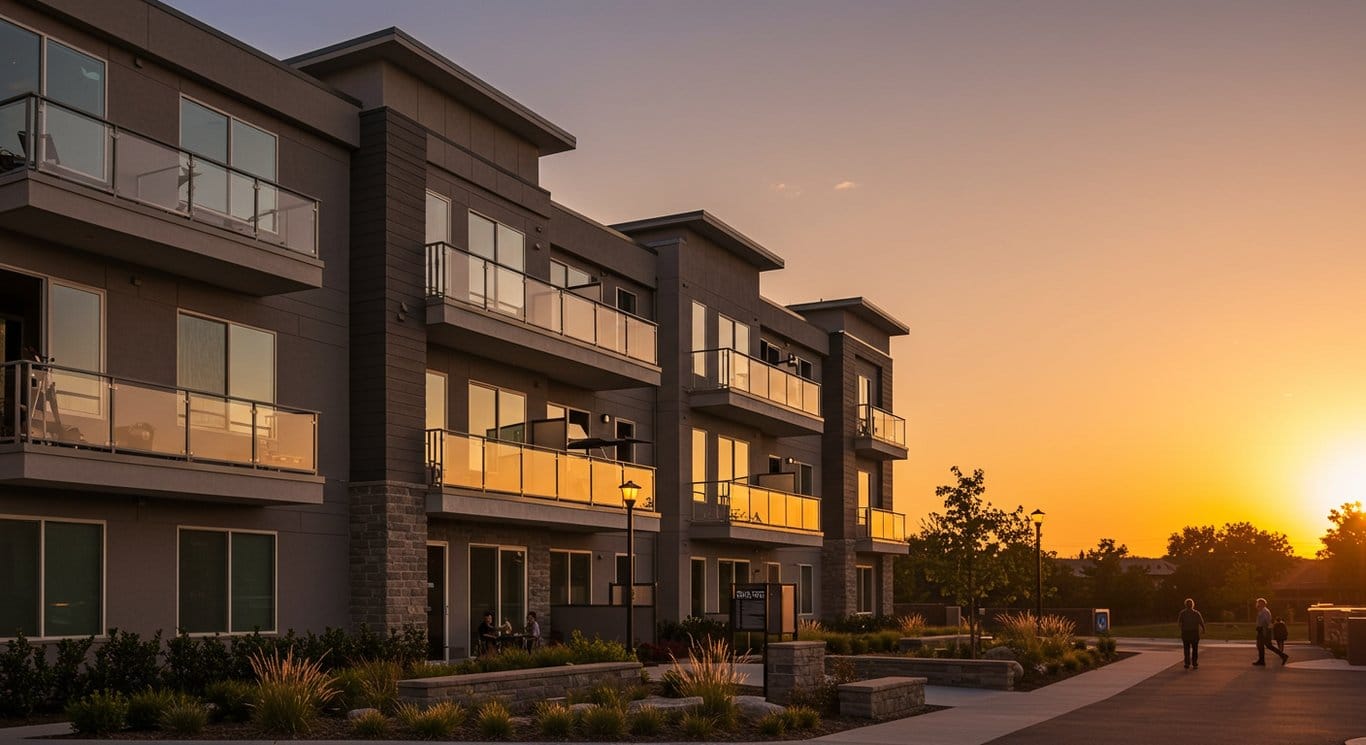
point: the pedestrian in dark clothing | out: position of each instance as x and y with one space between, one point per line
1192 625
1264 639
1280 632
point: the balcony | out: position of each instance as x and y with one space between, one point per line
77 180
739 512
493 481
881 531
741 388
71 429
518 320
881 435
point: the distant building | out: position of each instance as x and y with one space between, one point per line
1156 569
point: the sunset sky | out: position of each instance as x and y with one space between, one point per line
1129 237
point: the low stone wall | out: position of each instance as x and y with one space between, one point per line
882 698
793 666
909 643
994 674
519 689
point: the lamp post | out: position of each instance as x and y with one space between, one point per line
629 492
1037 517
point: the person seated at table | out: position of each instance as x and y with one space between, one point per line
533 631
506 628
488 633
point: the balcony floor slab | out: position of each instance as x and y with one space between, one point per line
478 506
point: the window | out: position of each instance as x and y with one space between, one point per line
626 430
497 583
19 65
438 218
805 589
773 572
497 242
437 407
865 391
623 570
224 358
626 301
76 340
699 465
225 139
576 421
699 587
570 577
51 577
864 591
731 334
699 338
497 414
75 81
227 581
566 276
770 353
806 482
732 460
775 464
729 572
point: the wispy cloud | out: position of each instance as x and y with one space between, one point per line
846 185
791 191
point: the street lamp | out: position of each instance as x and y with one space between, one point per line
629 492
1037 517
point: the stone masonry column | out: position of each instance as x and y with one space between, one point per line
794 666
388 554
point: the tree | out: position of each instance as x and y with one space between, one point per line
973 550
1225 568
1344 549
1127 592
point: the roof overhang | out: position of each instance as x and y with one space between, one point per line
706 225
859 307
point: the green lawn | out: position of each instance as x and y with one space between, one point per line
1214 631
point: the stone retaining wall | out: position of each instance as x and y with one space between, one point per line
519 689
882 698
994 674
794 666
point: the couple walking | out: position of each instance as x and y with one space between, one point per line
1269 635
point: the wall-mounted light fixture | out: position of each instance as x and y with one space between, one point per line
606 418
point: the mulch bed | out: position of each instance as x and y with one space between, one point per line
1033 682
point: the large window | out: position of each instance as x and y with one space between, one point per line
731 334
699 465
438 218
497 242
699 587
806 599
864 590
218 357
570 577
227 581
497 584
225 139
865 491
732 460
570 277
51 577
76 340
497 414
729 572
699 338
626 432
436 400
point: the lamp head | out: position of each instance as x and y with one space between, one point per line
630 491
1036 517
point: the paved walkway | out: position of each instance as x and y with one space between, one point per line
1144 699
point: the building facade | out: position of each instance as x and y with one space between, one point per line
305 343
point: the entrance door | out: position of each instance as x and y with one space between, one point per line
437 648
497 584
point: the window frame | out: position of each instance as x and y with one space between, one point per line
497 411
859 570
622 293
692 591
275 579
180 124
497 247
449 211
227 357
42 520
806 599
499 548
569 573
46 323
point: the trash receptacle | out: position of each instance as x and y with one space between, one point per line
1316 628
1356 640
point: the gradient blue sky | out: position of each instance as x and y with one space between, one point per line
1128 237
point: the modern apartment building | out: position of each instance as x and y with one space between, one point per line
301 343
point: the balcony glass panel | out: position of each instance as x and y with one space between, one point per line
540 473
74 144
508 291
576 479
71 407
607 483
543 305
284 439
15 124
640 339
611 328
151 420
502 467
727 368
149 172
579 317
220 429
882 425
744 504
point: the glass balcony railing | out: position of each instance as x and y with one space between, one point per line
459 275
881 525
717 369
473 462
53 405
881 425
40 134
742 504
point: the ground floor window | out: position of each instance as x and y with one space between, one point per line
497 584
51 577
805 588
699 587
570 577
729 572
865 588
227 581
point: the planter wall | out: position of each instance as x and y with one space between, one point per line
519 689
994 674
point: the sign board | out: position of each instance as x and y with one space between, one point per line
768 608
1102 620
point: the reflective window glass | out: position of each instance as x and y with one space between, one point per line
482 240
203 581
202 354
253 582
436 400
805 588
253 150
511 248
75 78
251 363
19 577
438 219
75 328
203 131
73 579
483 411
18 61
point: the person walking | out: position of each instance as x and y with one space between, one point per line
1192 625
1264 639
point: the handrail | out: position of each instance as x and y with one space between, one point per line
457 274
721 369
881 424
735 502
480 463
161 175
882 525
56 405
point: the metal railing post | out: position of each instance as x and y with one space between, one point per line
255 458
185 404
255 205
113 445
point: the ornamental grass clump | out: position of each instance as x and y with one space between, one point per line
802 718
145 708
100 713
912 624
604 722
494 721
553 720
371 724
290 692
185 717
437 722
1056 634
698 726
711 674
773 724
647 721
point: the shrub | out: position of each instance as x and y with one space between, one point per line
126 664
586 651
437 722
185 717
553 720
885 641
911 625
690 630
697 726
1056 634
494 721
100 713
371 724
647 721
858 644
1106 646
68 681
291 693
192 663
802 718
773 724
710 674
369 685
232 699
24 678
604 723
145 708
1071 662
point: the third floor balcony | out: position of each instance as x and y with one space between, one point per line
881 531
497 481
880 435
741 512
741 388
511 317
78 180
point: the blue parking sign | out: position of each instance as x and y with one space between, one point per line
1102 620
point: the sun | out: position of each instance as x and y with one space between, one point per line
1337 478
